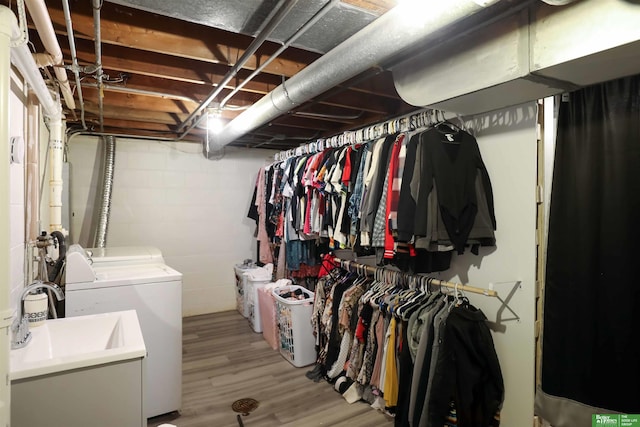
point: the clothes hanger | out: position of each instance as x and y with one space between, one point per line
455 301
423 297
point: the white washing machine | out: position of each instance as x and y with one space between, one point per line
154 290
125 255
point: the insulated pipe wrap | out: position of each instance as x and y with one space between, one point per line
109 144
375 44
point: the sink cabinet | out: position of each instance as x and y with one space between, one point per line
105 395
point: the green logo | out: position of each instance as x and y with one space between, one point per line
615 420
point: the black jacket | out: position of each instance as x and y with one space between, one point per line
467 372
453 166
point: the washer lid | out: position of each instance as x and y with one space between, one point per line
124 255
113 276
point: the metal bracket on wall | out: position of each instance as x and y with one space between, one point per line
498 324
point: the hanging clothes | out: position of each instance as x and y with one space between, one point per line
266 256
450 375
412 198
451 161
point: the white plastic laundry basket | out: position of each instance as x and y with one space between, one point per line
297 343
267 304
252 274
251 298
239 270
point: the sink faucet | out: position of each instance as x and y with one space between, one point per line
20 326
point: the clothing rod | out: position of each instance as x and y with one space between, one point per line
404 123
442 283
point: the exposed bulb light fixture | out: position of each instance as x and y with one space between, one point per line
214 121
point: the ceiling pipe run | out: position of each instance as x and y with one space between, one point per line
384 39
74 58
97 5
40 16
284 7
310 23
134 91
22 58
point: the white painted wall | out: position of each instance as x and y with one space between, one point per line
17 114
169 196
507 141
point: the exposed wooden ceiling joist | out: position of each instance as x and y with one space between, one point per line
142 30
159 67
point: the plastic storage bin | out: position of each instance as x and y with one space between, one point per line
239 270
267 304
296 340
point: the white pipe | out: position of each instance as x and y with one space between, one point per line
23 60
56 151
42 21
7 23
32 164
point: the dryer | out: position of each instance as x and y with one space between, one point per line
151 288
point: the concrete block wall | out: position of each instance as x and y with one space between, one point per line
169 196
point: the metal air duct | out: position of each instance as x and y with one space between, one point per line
385 38
109 144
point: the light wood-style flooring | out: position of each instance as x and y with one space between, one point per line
224 360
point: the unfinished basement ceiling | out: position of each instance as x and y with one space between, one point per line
161 61
247 16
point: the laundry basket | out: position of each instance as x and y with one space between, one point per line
251 288
253 274
239 270
267 304
297 343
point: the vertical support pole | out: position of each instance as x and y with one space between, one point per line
540 241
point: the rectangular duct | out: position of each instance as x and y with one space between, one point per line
587 42
540 51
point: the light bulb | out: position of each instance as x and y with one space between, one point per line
214 122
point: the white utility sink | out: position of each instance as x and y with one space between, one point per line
79 342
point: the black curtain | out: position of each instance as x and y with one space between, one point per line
591 345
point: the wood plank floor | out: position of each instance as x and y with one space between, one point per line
224 360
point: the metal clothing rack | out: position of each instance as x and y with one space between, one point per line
347 265
404 123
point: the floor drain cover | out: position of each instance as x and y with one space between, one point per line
244 406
